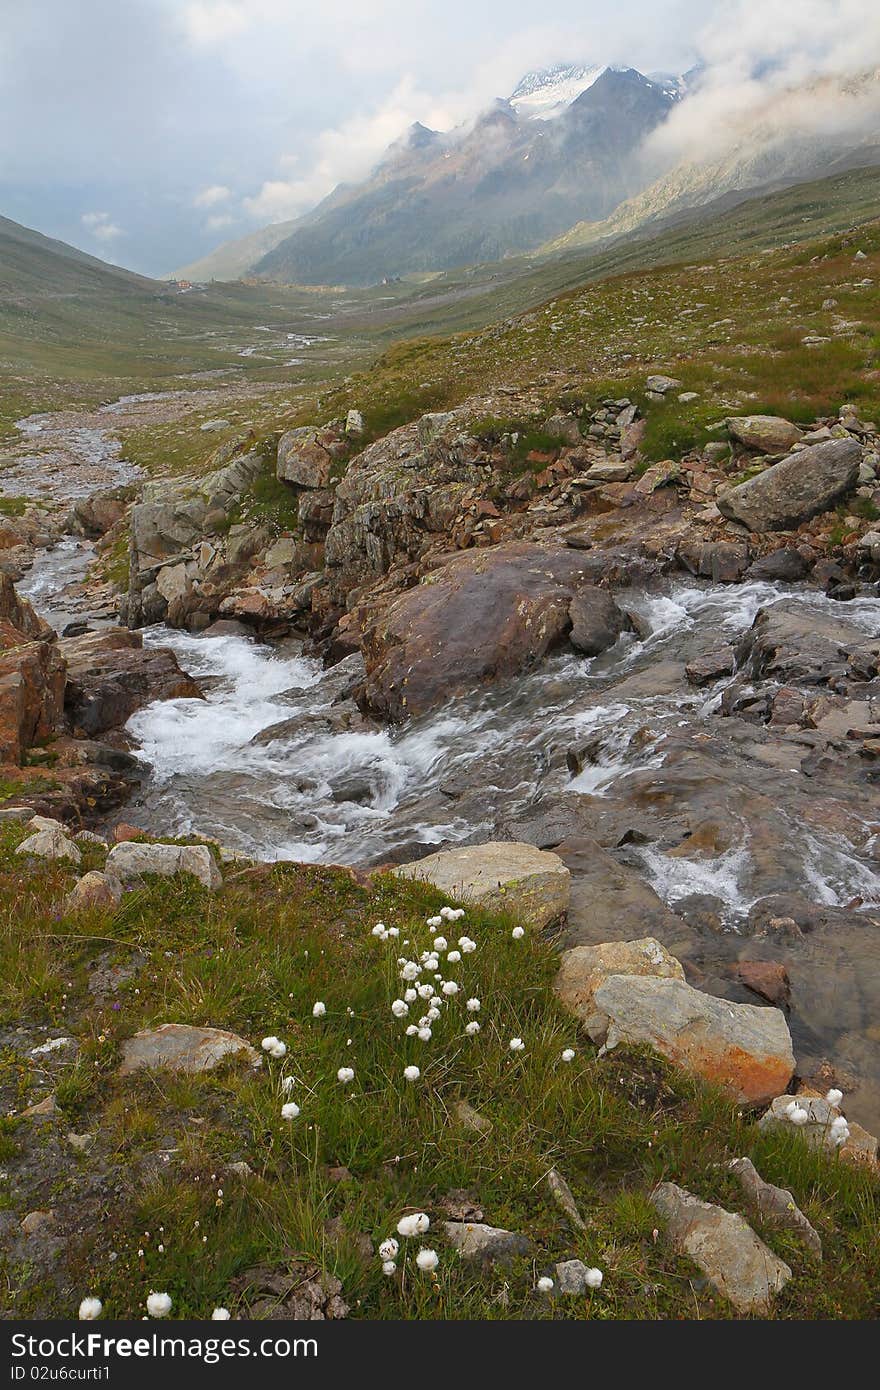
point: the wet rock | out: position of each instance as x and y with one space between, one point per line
50 844
291 1289
796 645
475 1241
784 566
483 616
596 620
20 613
796 489
721 561
775 1205
724 1246
182 1048
501 876
714 666
130 861
766 977
584 968
768 434
303 459
746 1049
110 675
93 892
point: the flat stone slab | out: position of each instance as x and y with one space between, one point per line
501 876
180 1047
724 1246
745 1048
132 860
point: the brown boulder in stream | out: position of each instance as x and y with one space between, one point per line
485 615
111 674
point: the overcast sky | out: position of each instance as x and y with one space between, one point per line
148 131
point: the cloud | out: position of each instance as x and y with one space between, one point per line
101 226
212 195
787 69
218 222
212 21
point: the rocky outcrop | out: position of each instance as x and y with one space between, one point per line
724 1246
32 683
501 876
481 617
802 485
110 675
305 458
742 1047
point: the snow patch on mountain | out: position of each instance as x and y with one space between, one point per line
546 92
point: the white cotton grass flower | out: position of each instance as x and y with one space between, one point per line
221 1315
410 970
473 1006
389 1268
432 1015
411 1073
427 1260
593 1278
394 931
90 1309
158 1305
467 945
440 943
516 1045
425 991
545 1284
568 1054
380 931
424 1035
388 1249
454 957
797 1114
517 933
411 1030
839 1130
319 1009
449 987
416 1224
410 995
472 1028
834 1097
290 1110
274 1047
400 1008
452 914
287 1084
345 1074
434 922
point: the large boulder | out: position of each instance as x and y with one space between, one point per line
50 844
742 1047
596 620
769 434
805 483
583 968
110 675
485 615
500 876
724 1246
182 1048
132 860
303 459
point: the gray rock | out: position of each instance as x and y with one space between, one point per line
131 861
94 891
596 620
502 875
50 844
571 1277
302 459
799 487
774 1204
180 1047
661 385
724 1246
743 1047
485 1244
564 1198
584 968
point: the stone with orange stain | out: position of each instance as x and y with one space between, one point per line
742 1047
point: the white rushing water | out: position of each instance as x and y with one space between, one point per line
319 793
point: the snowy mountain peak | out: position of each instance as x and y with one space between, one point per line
546 92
